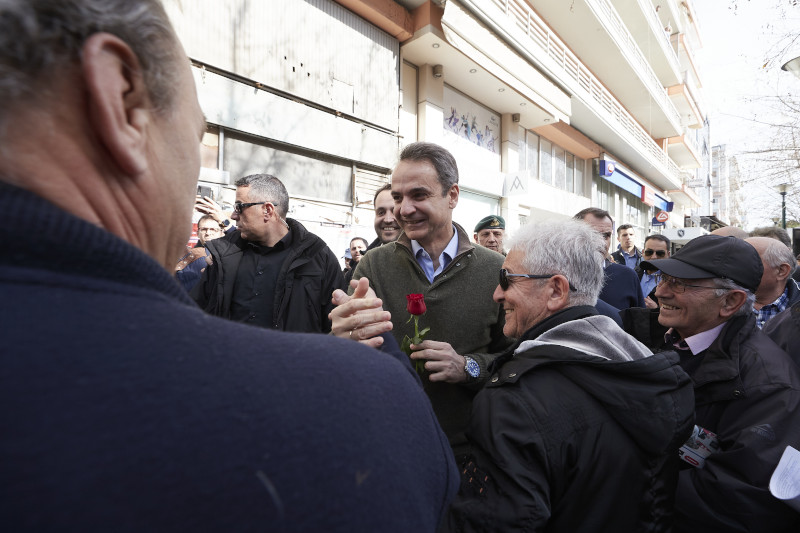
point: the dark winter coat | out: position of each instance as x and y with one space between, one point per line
784 330
578 431
747 392
302 298
621 289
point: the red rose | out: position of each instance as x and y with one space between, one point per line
416 304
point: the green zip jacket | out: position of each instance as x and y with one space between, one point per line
460 311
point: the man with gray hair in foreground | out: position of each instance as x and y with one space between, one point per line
115 417
579 426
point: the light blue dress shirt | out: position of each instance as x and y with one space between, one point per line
424 259
649 282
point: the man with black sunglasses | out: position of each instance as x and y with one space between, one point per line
655 247
578 427
269 272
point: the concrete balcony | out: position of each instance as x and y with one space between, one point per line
641 19
683 150
595 32
686 95
685 196
687 104
595 110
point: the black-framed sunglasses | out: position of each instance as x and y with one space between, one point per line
659 253
239 206
505 282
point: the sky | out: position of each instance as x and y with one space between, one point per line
745 42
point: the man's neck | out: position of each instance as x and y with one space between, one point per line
630 250
274 236
767 298
436 246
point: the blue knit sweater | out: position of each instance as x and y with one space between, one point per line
126 408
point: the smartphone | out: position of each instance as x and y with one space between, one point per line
202 190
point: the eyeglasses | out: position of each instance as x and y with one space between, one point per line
505 282
659 253
677 285
239 206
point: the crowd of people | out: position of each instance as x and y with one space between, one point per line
249 383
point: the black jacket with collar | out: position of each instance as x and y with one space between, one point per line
563 439
302 298
784 330
747 392
619 258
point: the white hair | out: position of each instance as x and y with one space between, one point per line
571 248
776 253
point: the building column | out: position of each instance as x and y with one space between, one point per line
511 144
430 106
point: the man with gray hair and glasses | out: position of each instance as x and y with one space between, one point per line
118 413
269 272
747 390
579 425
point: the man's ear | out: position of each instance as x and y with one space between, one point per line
558 293
118 100
783 271
732 302
269 211
453 195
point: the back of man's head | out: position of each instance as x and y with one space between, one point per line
773 252
266 188
442 160
570 248
730 231
773 232
41 39
593 211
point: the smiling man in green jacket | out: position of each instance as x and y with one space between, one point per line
434 257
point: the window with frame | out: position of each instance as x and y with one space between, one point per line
551 163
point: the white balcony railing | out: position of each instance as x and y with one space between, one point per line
549 44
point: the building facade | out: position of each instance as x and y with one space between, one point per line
549 107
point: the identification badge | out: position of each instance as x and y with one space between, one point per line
700 444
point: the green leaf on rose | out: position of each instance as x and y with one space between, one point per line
406 345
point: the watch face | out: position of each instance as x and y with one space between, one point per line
473 368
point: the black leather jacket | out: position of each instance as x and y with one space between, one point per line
302 298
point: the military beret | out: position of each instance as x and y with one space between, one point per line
492 221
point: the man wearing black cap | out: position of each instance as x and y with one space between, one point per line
490 231
747 390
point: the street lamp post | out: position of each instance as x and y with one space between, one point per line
782 188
